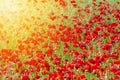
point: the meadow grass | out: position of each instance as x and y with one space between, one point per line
22 26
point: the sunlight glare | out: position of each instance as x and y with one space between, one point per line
8 6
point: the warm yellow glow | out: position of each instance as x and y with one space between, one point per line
8 9
20 18
8 6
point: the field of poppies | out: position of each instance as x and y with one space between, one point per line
59 40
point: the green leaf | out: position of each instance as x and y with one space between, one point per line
90 76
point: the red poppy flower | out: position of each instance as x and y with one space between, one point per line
25 77
107 46
52 16
117 62
63 3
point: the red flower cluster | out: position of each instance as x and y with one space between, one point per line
89 45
